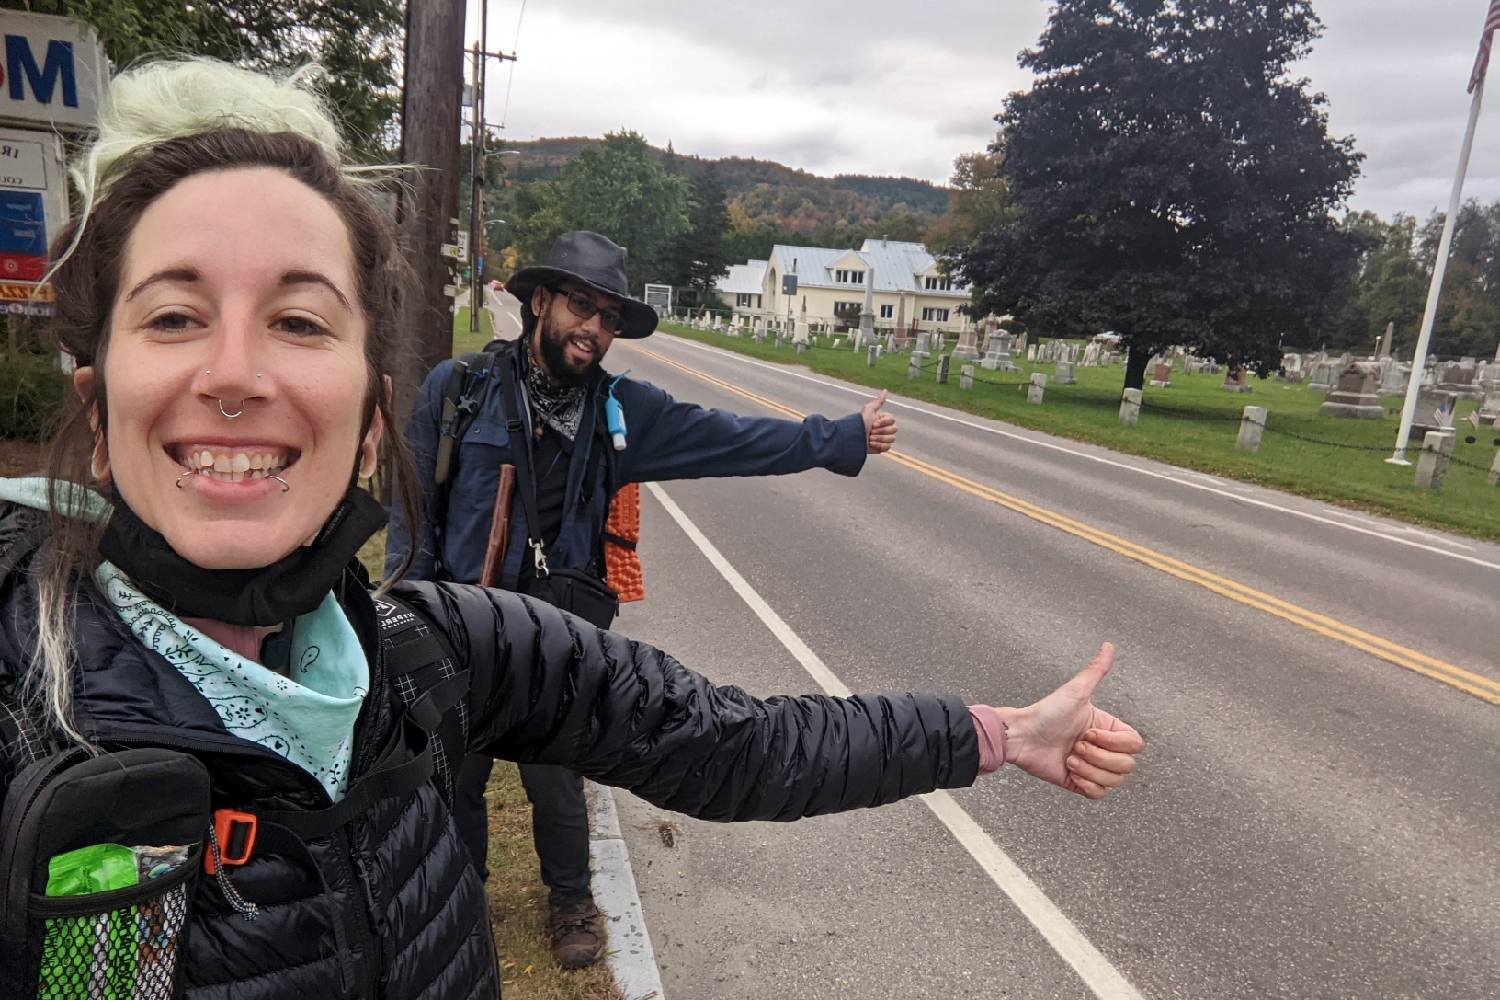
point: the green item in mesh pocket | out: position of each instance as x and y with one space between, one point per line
96 868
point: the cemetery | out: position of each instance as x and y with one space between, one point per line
1322 428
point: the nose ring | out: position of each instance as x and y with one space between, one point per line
236 413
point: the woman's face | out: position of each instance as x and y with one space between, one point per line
236 354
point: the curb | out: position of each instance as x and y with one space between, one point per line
630 957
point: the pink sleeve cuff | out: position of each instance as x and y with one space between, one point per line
991 733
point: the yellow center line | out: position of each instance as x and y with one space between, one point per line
1484 688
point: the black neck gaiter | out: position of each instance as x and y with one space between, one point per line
268 595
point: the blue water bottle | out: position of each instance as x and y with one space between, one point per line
614 416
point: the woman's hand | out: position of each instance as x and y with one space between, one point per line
1065 740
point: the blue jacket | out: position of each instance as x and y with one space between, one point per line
666 439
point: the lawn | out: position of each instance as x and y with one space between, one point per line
1193 423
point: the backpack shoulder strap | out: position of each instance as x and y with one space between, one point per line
423 669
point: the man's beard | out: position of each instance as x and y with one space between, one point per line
555 358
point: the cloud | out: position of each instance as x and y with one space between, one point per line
882 87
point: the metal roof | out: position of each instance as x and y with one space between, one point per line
896 265
743 279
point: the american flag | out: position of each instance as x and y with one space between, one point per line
1482 60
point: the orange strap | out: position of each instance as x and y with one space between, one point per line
622 563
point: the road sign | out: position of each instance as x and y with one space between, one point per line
33 208
53 72
788 284
659 297
453 250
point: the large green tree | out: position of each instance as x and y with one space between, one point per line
1171 182
697 257
619 189
357 42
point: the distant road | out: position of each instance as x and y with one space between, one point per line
1318 806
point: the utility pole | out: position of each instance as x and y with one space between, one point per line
481 56
432 98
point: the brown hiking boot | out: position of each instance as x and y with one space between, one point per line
576 931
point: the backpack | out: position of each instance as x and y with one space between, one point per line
96 826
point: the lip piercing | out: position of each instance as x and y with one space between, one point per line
236 413
193 472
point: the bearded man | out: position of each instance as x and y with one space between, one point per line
539 405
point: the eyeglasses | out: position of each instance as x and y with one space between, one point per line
582 306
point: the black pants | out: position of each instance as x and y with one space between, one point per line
559 821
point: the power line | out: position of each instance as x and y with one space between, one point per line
515 46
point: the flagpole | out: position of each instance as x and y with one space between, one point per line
1419 360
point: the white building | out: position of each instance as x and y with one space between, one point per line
906 288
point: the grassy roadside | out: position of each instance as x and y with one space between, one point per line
1193 424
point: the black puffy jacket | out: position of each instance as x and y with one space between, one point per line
388 906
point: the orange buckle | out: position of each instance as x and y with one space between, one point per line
235 832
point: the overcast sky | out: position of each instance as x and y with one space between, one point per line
900 88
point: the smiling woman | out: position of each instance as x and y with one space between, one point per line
231 754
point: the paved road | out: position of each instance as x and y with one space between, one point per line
1316 814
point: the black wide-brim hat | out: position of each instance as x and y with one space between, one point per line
595 261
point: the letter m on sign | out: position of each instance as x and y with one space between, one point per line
21 68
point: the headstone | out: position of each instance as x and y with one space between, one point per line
1020 344
1434 411
1432 463
1495 470
874 354
1130 406
1252 425
1393 379
924 342
1489 407
1459 379
1031 353
997 354
1320 377
890 343
838 342
1063 375
967 349
966 377
1037 388
942 369
913 368
1161 375
1355 396
1234 381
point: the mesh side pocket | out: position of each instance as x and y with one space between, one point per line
120 945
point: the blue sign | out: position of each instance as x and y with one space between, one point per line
23 223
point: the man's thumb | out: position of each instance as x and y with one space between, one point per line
877 402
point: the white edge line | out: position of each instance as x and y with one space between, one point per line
1098 974
1237 498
